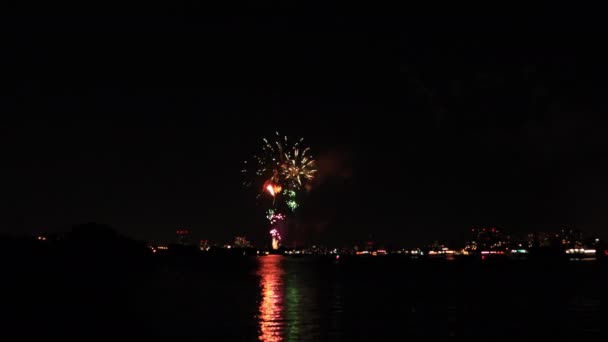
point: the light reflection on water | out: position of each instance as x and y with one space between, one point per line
316 300
272 309
295 305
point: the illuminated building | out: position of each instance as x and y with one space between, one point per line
470 247
241 242
561 238
183 236
488 239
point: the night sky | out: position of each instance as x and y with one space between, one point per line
142 120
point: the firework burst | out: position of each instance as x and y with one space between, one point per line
297 166
281 166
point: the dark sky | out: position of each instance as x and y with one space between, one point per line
426 127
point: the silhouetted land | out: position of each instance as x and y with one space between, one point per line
93 282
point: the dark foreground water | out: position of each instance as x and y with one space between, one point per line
276 298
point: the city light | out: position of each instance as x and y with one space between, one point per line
519 251
580 251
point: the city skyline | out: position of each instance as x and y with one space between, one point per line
475 239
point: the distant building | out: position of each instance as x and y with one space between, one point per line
470 247
183 236
241 242
488 239
369 243
562 238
